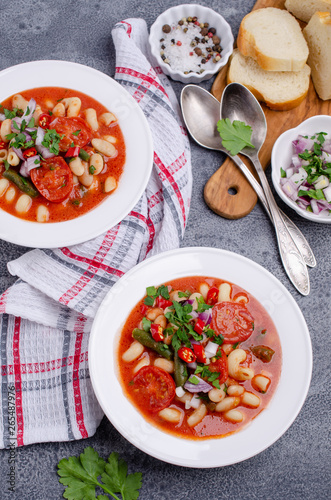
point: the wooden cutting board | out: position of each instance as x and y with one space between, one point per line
228 179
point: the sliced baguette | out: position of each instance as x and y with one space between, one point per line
280 90
304 9
318 36
273 38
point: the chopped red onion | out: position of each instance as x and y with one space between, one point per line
45 152
19 153
200 386
211 349
26 116
205 316
29 164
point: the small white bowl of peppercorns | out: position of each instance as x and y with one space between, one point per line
191 42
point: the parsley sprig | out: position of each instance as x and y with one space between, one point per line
153 292
235 136
81 475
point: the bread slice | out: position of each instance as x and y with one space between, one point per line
280 90
304 9
273 38
318 36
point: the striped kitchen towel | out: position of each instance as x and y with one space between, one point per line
46 316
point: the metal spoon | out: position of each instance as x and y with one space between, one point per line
238 103
201 111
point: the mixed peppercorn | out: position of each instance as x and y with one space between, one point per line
190 45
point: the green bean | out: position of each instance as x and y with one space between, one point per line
84 155
146 339
23 184
180 370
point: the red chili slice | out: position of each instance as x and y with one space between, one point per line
44 120
157 332
212 296
154 388
187 355
200 353
162 302
28 153
233 321
53 179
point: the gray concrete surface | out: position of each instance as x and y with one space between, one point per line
297 466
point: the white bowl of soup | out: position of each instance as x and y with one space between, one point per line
191 356
75 153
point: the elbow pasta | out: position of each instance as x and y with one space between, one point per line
72 106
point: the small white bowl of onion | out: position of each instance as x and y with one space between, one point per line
301 168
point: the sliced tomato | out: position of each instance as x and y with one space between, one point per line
53 179
154 388
233 321
75 131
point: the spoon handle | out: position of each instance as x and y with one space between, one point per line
296 234
293 262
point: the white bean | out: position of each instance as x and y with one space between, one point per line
171 415
224 294
96 160
49 104
235 390
37 112
228 403
42 213
5 129
161 320
4 183
241 298
23 204
91 118
135 350
153 313
261 383
165 364
86 178
77 167
59 109
250 399
234 416
104 147
110 138
19 102
107 118
217 395
10 194
110 184
194 297
203 289
196 417
145 361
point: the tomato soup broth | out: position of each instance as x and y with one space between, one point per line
84 169
242 375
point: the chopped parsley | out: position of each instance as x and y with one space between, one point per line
51 141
